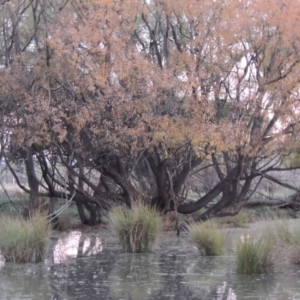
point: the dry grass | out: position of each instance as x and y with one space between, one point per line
169 221
63 223
269 213
241 220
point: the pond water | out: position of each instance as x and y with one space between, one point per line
90 265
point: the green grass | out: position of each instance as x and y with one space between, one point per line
289 240
23 240
136 228
286 235
254 256
207 237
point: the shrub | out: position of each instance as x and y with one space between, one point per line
207 237
23 240
136 228
254 256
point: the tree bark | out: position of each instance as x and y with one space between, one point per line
34 201
189 208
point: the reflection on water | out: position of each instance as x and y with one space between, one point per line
1 261
28 281
142 274
75 244
91 266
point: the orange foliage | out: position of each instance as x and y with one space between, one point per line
222 77
135 73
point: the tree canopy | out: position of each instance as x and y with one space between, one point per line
115 101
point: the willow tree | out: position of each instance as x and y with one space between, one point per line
123 100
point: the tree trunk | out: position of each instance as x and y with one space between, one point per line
189 208
34 201
81 212
293 201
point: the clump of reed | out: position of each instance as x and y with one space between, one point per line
255 256
289 241
286 235
24 240
207 237
137 228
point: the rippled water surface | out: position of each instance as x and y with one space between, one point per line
90 265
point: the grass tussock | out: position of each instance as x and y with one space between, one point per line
137 228
207 237
289 240
285 235
23 241
254 256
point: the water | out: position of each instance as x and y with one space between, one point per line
90 265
